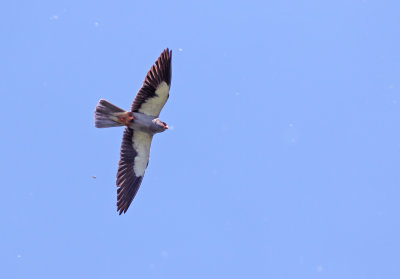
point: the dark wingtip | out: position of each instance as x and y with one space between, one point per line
121 209
165 60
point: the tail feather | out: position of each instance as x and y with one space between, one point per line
105 115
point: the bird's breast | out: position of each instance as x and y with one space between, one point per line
142 122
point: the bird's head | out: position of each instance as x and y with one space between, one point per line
159 125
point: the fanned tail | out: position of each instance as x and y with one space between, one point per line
106 115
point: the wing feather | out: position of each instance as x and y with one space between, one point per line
135 154
154 93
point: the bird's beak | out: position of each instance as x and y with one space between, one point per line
166 126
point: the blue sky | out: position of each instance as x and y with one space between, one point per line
283 160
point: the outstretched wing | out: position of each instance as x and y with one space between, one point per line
154 93
135 154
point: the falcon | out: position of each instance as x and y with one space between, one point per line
142 123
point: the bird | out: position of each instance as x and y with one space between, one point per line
141 124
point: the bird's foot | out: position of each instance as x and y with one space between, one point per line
126 118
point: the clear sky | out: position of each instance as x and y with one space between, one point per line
282 160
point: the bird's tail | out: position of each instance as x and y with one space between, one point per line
107 115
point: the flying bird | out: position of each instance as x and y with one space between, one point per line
142 123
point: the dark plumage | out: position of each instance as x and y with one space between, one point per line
158 73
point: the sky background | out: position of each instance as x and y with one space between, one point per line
282 160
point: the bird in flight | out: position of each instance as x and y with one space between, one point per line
142 123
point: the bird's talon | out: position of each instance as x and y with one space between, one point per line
125 118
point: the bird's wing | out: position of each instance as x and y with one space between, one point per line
135 154
154 93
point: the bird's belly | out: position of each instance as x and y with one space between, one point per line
144 127
142 122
